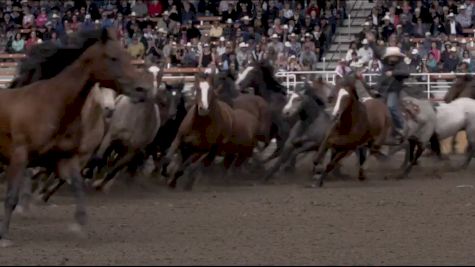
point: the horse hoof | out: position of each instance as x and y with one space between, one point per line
77 230
4 243
97 184
22 211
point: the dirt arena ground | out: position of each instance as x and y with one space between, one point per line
427 219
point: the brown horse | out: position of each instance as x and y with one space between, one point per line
40 124
357 126
462 87
211 127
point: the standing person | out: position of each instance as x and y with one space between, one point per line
394 72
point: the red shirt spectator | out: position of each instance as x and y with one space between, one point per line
155 8
42 18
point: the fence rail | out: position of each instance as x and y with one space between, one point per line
435 84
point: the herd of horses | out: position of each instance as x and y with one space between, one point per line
81 113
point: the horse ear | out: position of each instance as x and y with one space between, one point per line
104 35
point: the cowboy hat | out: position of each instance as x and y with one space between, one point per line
188 44
162 30
453 49
386 18
451 15
133 14
393 51
287 44
366 23
229 21
222 39
165 13
414 51
463 41
365 41
245 18
243 44
293 35
275 36
462 7
427 33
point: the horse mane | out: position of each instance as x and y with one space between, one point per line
48 59
269 79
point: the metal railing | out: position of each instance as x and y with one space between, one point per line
435 84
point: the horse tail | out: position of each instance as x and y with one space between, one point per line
435 145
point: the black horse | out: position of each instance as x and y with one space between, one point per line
259 75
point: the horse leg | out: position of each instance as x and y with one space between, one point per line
118 166
70 168
49 191
14 176
468 155
419 147
362 155
186 161
409 155
194 167
338 156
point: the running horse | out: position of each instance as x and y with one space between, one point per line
259 75
358 124
210 128
40 123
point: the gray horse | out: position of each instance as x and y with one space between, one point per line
308 132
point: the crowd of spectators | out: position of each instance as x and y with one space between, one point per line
292 34
435 36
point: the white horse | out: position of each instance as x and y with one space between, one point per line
458 115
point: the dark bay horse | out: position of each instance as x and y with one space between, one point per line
462 87
254 104
45 61
260 77
40 123
357 126
211 127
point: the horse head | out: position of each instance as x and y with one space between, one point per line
456 89
205 95
301 99
106 99
109 64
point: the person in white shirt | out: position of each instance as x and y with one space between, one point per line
453 27
221 49
463 17
365 53
350 51
342 69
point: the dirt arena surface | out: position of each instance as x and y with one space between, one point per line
427 219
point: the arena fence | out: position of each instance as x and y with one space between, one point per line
435 85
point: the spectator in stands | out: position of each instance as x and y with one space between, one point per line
450 64
467 58
42 18
453 27
155 8
354 59
350 51
365 53
407 26
437 27
293 64
308 58
431 63
463 17
388 28
18 44
136 48
342 68
375 66
414 61
216 30
419 28
33 40
435 51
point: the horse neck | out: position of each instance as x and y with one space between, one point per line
72 87
92 109
351 115
309 111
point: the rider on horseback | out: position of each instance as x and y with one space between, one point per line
395 70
